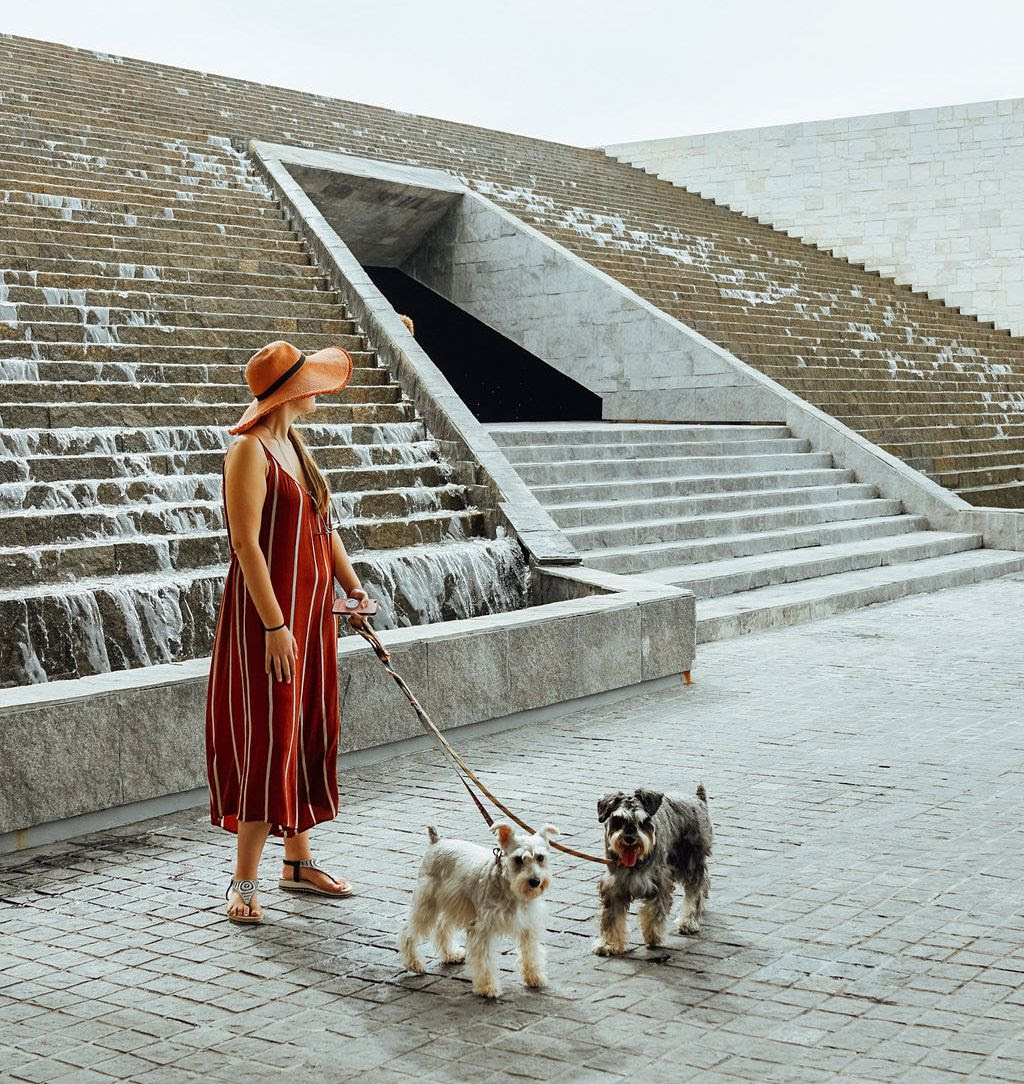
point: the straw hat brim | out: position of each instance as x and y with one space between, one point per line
326 371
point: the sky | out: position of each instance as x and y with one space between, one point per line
589 72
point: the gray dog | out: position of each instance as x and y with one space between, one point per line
654 842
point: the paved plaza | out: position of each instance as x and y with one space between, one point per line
865 776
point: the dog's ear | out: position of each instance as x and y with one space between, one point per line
649 799
505 833
606 804
547 832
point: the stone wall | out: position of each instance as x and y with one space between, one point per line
580 321
933 197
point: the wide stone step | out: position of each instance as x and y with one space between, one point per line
177 219
103 623
98 331
976 436
713 579
601 514
511 435
199 547
365 371
61 415
649 488
70 307
82 481
1003 495
181 515
88 229
599 470
169 301
647 556
984 416
719 524
969 477
568 453
199 254
175 352
203 271
183 192
117 441
292 282
806 600
122 392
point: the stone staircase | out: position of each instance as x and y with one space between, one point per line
937 388
137 274
762 528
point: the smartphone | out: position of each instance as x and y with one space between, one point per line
347 607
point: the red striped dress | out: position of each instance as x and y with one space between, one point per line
271 747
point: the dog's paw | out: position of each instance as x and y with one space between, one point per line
455 956
688 926
487 989
415 965
605 948
534 977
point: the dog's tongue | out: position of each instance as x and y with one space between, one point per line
627 856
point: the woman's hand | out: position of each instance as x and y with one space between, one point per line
362 596
280 654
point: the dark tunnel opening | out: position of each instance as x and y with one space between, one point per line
496 378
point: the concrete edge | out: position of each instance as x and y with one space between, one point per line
25 839
447 417
587 591
1000 528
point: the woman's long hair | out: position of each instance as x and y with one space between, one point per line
318 488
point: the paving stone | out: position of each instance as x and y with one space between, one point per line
850 765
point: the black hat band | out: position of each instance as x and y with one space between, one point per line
282 379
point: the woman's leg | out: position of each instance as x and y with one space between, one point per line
252 835
296 849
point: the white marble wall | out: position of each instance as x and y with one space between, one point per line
934 197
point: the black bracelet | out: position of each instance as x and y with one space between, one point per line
276 627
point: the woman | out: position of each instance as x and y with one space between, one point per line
272 700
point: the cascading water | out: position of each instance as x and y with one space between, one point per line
112 541
140 575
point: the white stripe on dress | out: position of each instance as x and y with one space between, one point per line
323 660
270 674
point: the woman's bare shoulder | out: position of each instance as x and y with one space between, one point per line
246 452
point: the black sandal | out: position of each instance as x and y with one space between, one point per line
296 884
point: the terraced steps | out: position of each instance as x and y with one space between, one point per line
137 274
810 320
763 529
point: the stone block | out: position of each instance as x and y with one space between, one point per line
610 649
468 679
544 662
374 710
668 636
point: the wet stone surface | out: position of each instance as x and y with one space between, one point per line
864 775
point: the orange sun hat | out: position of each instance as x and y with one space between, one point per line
281 373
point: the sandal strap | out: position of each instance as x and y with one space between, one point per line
307 863
246 889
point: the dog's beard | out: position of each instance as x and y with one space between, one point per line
527 891
629 854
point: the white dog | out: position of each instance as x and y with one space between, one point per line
486 892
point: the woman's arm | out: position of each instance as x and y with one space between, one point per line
345 574
245 490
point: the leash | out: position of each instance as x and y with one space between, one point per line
462 769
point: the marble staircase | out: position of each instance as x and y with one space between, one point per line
762 528
137 274
941 390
